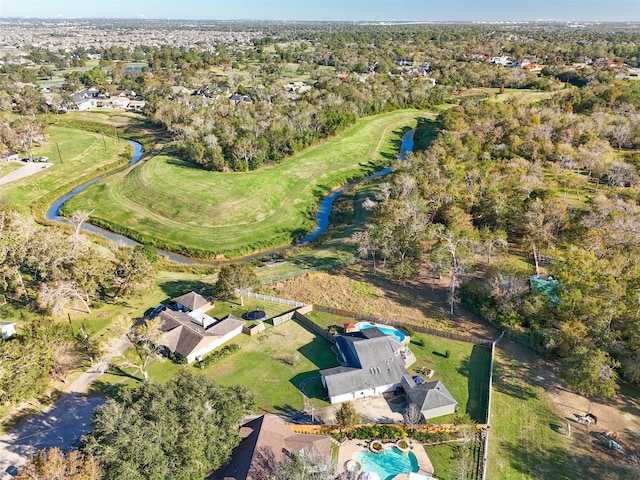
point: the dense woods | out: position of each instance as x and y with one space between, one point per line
553 183
179 430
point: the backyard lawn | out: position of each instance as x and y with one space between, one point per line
272 365
171 203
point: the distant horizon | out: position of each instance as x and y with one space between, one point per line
493 11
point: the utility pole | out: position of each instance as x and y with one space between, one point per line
59 156
103 141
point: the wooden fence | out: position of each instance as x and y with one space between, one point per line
313 326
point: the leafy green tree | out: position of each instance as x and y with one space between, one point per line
178 430
235 279
347 417
591 372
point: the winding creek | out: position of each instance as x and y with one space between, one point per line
322 217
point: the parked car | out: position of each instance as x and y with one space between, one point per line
26 159
41 159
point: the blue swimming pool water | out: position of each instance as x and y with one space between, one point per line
389 463
386 330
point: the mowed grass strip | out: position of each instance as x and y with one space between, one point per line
83 153
171 203
525 440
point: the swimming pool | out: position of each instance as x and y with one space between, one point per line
386 330
389 463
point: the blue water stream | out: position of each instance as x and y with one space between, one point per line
322 217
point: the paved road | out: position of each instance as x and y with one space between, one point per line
27 170
60 425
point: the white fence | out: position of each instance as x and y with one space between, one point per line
282 301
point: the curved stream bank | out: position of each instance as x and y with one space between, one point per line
322 217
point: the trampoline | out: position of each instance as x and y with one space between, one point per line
256 315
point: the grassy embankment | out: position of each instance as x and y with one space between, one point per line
84 156
171 203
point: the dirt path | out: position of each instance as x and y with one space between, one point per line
27 170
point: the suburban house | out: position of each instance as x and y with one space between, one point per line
8 329
432 398
373 363
192 301
192 337
10 156
86 99
265 442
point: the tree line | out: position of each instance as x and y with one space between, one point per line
509 190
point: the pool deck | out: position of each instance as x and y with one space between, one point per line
349 447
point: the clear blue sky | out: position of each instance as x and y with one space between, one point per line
434 10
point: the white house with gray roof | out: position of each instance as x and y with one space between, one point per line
433 398
372 363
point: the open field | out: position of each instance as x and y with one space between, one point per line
83 154
171 203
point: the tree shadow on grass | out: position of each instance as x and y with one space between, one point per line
535 460
476 368
511 384
175 288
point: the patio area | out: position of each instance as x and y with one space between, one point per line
349 447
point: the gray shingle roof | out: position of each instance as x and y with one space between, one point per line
430 395
372 360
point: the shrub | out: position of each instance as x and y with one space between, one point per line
218 355
410 331
447 353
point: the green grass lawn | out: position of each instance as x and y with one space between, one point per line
261 365
440 456
8 167
525 442
82 154
172 203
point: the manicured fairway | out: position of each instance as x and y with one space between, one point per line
173 204
83 154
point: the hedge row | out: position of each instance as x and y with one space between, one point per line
218 355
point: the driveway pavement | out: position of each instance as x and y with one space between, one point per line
60 425
27 170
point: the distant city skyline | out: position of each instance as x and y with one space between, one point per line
336 10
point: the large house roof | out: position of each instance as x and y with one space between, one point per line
264 442
372 359
183 335
192 300
428 395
